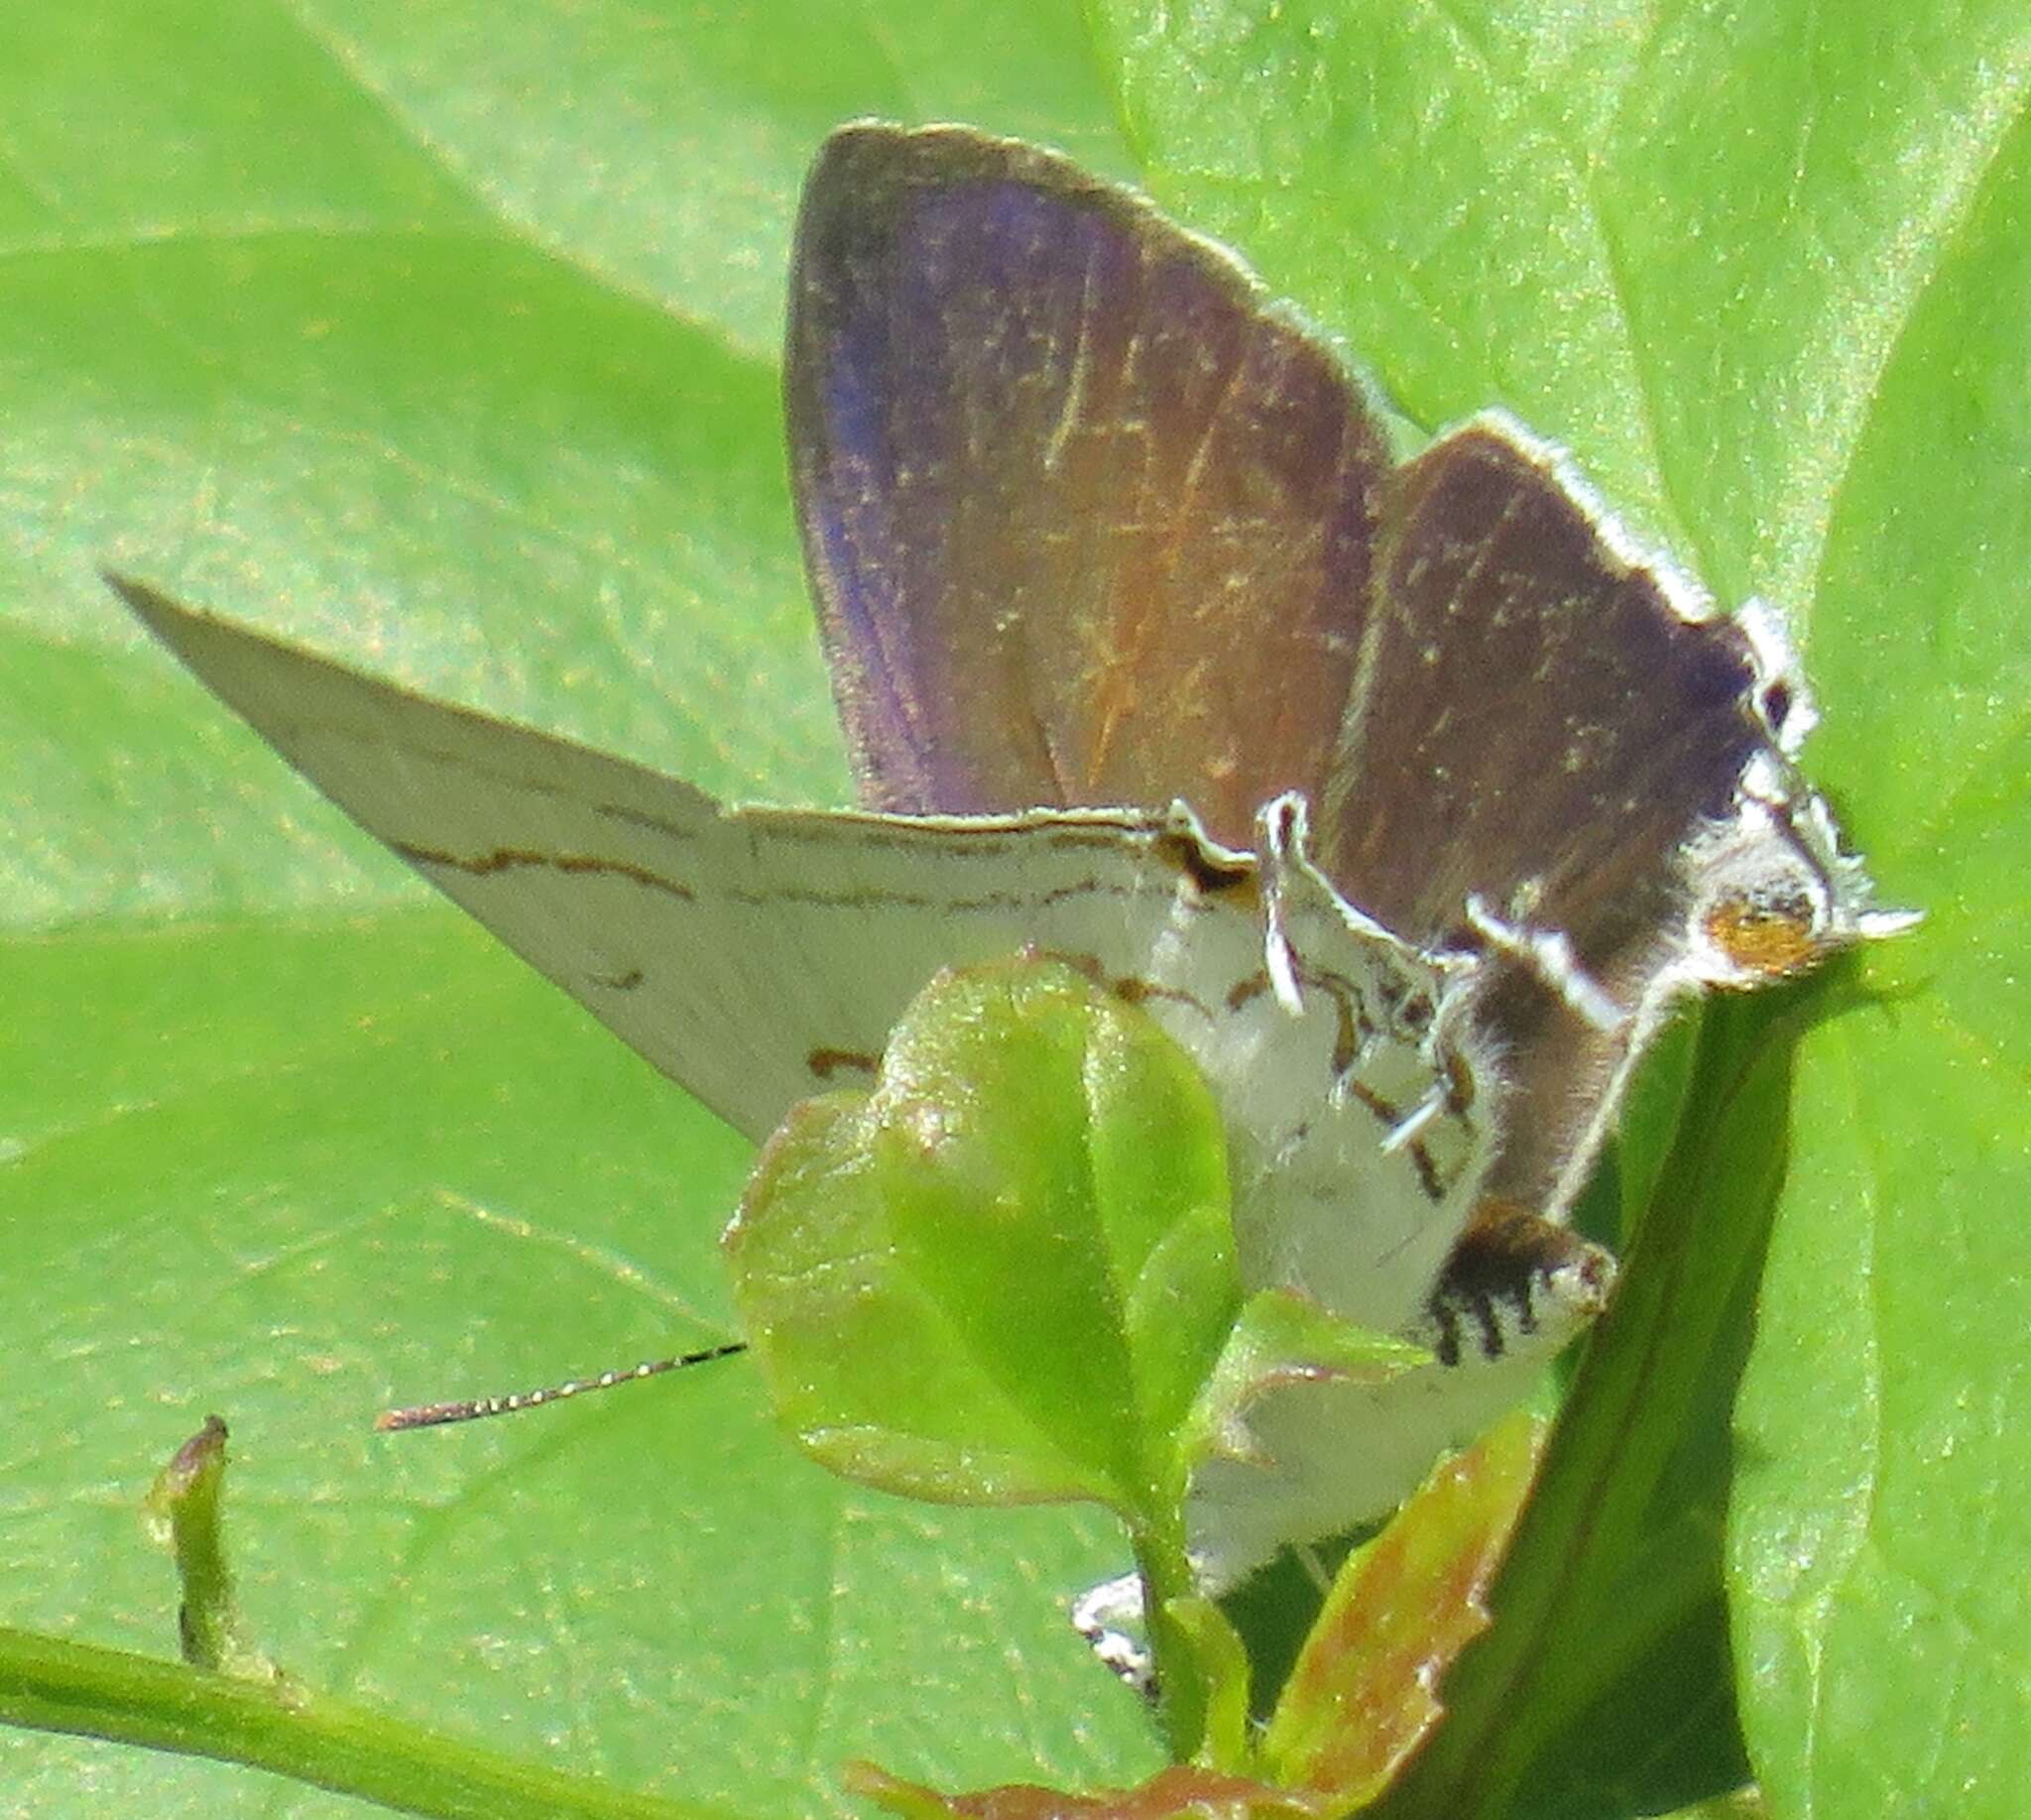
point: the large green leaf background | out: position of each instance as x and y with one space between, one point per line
444 338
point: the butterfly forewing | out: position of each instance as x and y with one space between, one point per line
1087 523
758 957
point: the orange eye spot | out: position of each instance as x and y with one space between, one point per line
1768 940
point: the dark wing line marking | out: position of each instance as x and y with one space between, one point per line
512 859
1388 1113
1427 1170
508 859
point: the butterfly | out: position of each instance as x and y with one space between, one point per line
1408 795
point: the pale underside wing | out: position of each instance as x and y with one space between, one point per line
1090 523
759 955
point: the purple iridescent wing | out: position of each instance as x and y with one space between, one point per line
1557 743
1088 524
1533 708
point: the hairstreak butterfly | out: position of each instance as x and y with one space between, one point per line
1401 786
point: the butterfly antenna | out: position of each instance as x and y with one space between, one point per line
435 1414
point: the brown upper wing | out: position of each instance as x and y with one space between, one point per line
1087 523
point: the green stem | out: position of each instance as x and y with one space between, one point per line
52 1685
1581 1581
1167 1573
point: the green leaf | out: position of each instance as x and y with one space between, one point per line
1282 1337
1883 1513
1766 275
416 332
1738 1804
1007 1275
1360 1698
1005 1272
1183 1792
442 337
1617 1558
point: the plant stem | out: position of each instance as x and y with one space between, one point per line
53 1684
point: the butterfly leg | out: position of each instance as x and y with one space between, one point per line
1548 956
1107 1617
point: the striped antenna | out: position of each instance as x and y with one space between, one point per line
434 1415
